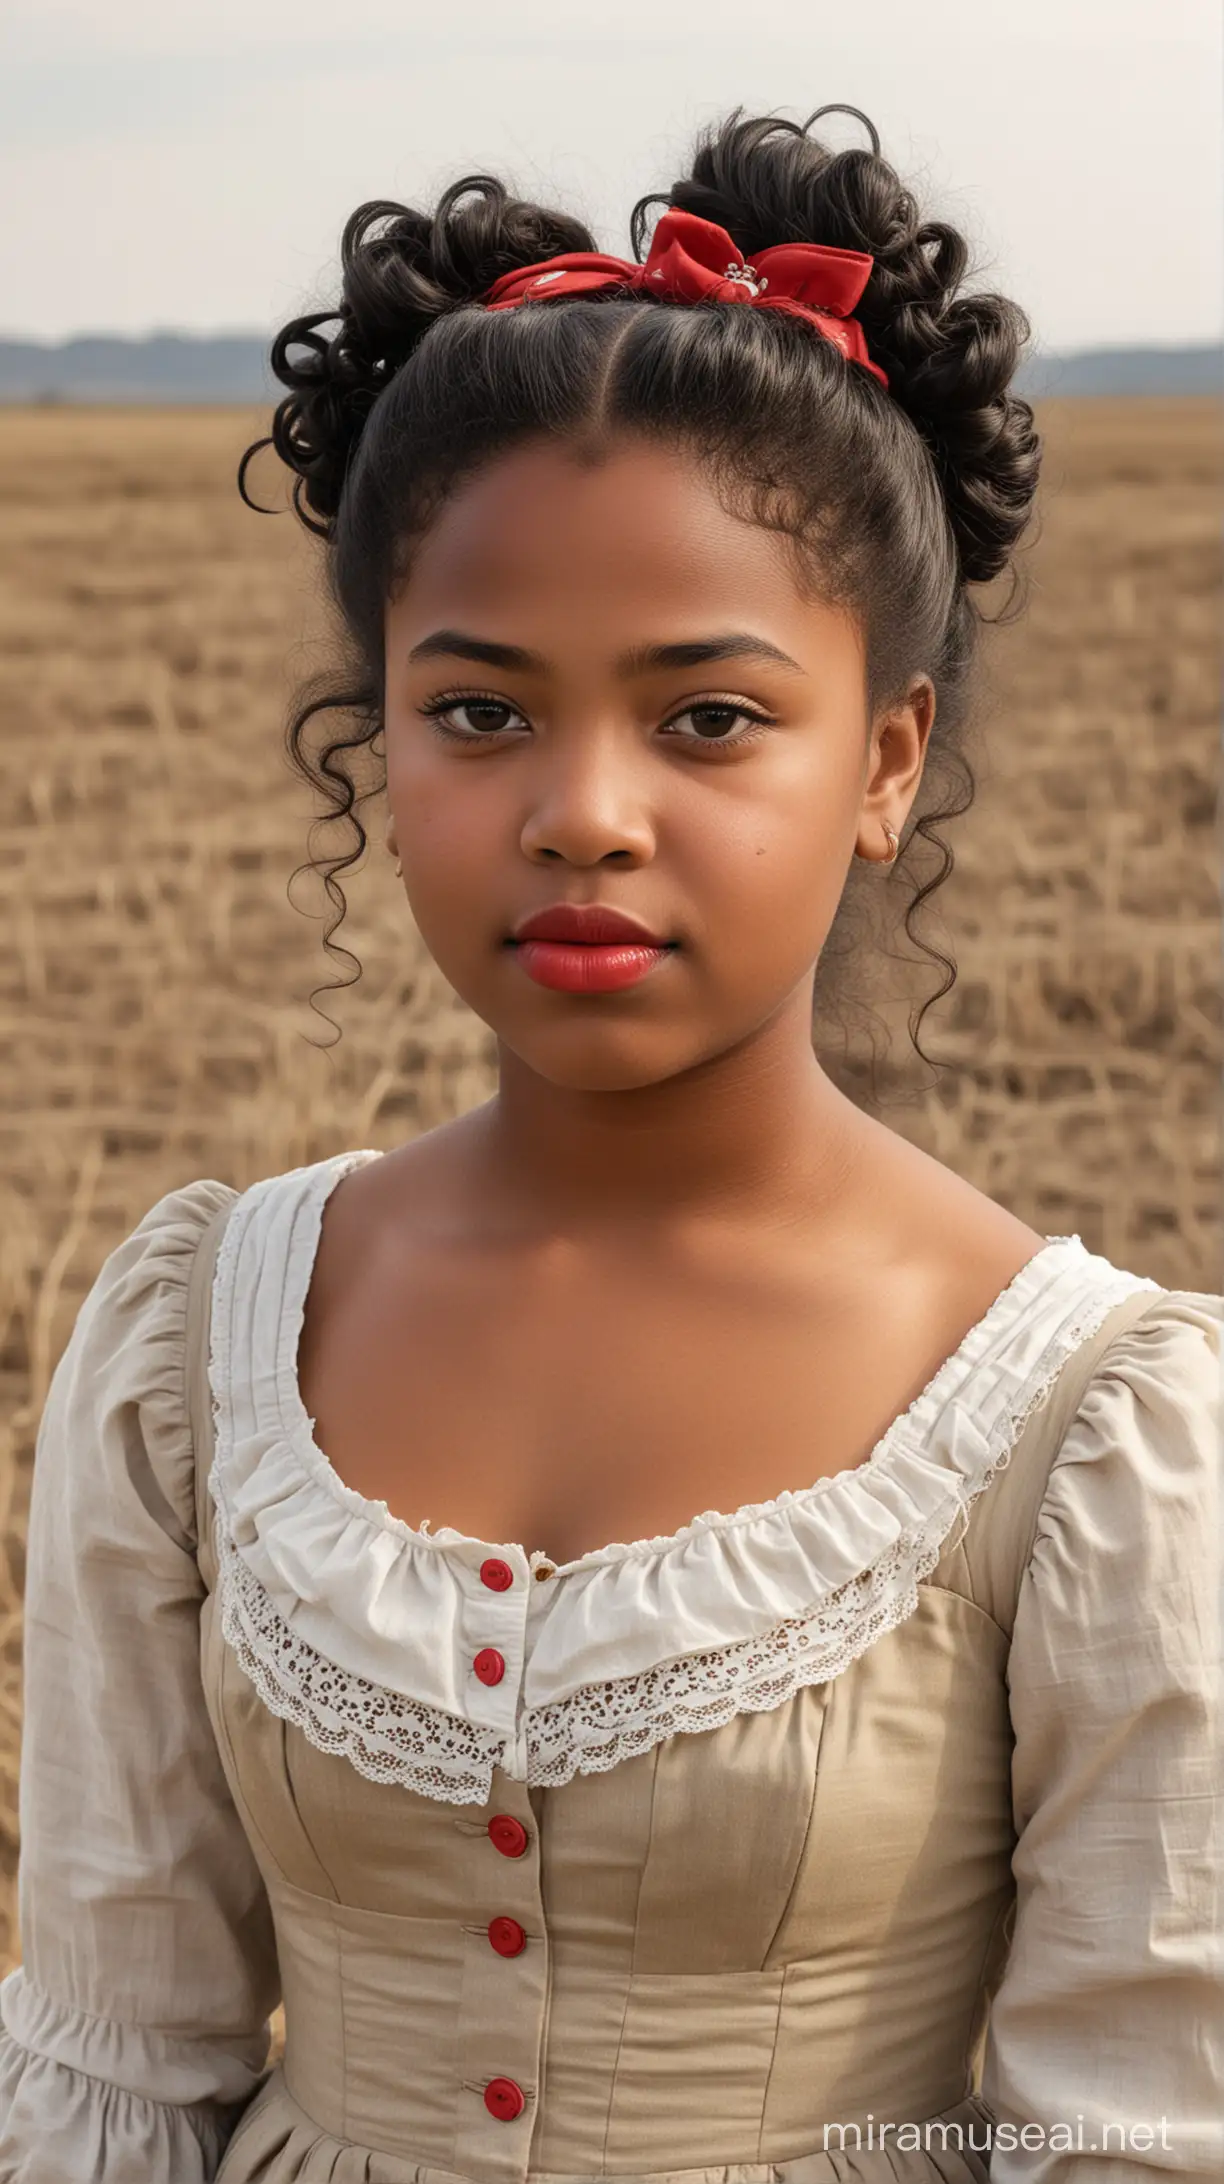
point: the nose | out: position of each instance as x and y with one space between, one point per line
588 801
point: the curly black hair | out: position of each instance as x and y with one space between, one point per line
899 500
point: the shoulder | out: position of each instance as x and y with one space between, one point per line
1149 1420
114 1427
1125 1568
141 1284
271 1240
113 1438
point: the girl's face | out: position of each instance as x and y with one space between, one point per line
602 688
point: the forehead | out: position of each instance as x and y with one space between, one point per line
635 533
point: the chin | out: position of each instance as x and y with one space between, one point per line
586 1064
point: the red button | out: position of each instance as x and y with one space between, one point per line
507 1835
496 1574
507 1936
489 1665
504 2099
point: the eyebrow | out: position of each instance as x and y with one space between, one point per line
456 644
453 644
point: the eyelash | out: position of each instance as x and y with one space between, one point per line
448 701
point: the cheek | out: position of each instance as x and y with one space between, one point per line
780 893
451 868
785 849
445 816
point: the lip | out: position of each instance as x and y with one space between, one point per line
587 924
586 948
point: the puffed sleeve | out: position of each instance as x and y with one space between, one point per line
135 2029
1106 2033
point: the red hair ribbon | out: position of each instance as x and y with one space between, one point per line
695 261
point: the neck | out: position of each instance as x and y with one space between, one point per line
756 1136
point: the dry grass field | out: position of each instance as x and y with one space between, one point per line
155 987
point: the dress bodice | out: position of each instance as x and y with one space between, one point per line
727 1939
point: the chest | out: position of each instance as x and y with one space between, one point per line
562 1405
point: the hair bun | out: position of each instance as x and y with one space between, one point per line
950 357
401 271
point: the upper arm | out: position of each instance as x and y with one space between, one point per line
1110 2011
139 2010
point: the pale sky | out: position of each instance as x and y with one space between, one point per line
189 164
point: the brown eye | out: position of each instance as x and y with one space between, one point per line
481 714
471 720
713 722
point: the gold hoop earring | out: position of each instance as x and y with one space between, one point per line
894 842
391 848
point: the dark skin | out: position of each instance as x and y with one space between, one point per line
668 1268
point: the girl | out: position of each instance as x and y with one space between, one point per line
863 1825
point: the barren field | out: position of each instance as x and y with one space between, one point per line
156 982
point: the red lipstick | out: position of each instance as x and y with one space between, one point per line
586 948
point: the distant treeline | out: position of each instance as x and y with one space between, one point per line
234 368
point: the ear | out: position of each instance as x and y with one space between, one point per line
896 755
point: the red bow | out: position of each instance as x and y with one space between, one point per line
694 261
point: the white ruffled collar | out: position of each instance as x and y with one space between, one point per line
363 1628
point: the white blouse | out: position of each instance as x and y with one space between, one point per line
136 2024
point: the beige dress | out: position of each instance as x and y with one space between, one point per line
870 1833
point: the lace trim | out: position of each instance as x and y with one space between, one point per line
391 1738
383 1735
